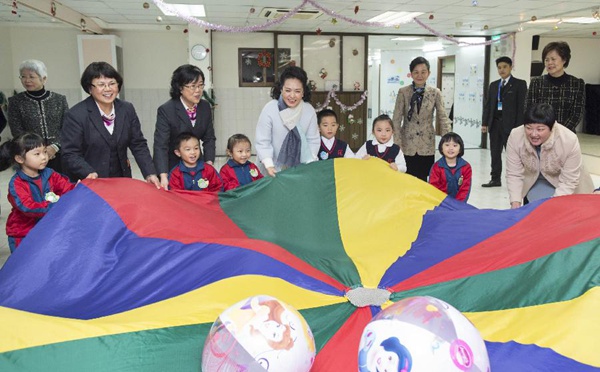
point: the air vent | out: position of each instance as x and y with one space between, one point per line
274 13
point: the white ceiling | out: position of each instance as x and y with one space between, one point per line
450 17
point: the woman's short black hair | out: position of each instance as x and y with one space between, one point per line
418 61
540 113
292 72
454 137
96 70
183 75
561 48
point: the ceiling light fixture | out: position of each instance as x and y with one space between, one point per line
433 47
393 18
582 20
406 38
187 9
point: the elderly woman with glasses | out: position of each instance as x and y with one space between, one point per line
186 111
38 110
98 131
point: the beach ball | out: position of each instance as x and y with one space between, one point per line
259 334
421 334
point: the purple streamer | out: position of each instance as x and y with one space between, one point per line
223 28
331 94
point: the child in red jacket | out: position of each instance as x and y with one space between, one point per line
34 189
192 173
239 170
452 174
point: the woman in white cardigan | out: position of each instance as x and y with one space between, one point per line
287 133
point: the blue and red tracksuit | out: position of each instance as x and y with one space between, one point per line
27 195
202 177
235 175
454 181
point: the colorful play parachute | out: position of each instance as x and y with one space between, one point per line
120 276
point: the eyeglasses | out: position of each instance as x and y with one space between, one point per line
195 87
30 77
102 86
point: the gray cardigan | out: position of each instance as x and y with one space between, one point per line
43 116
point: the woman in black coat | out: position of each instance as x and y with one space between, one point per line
186 111
98 131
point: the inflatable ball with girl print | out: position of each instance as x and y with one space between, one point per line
421 334
259 334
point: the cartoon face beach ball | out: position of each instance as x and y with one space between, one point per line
421 334
259 334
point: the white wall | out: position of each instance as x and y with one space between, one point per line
468 92
149 59
585 54
238 108
6 77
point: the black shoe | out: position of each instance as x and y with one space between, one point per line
492 183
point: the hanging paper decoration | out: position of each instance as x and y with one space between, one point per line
356 8
332 42
53 9
344 108
333 21
354 52
431 17
14 7
356 85
323 73
318 31
264 59
312 85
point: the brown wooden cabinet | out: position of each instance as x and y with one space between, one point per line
353 133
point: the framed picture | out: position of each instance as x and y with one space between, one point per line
259 67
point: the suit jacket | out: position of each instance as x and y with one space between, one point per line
171 120
417 136
513 104
85 140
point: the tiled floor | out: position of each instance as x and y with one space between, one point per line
483 198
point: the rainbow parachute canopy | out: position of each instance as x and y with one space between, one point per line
120 276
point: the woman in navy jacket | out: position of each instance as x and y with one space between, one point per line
97 131
186 111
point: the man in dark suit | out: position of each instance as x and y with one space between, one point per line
502 112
